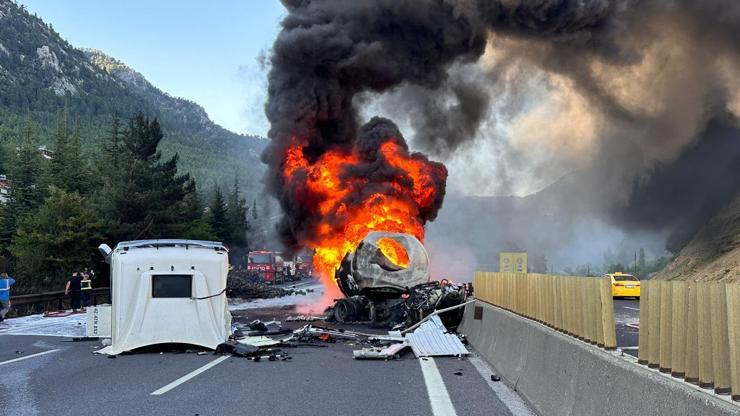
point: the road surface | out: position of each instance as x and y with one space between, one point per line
627 318
52 375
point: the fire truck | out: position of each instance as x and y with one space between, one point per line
268 265
304 266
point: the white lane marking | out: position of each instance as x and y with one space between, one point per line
15 360
189 376
508 397
632 309
439 398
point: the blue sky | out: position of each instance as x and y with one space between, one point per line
203 51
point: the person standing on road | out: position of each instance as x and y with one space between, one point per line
86 287
5 283
74 289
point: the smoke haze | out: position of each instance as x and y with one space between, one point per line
625 112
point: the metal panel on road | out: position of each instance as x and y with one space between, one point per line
431 339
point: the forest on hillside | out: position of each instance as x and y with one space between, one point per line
64 200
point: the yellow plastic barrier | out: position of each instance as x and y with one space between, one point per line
578 306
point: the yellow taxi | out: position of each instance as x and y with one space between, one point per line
624 285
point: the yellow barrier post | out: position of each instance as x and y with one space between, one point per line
642 343
592 298
678 330
607 315
557 322
706 376
654 325
569 305
720 341
692 336
733 326
599 312
666 300
572 307
581 309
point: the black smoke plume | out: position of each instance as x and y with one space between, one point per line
652 111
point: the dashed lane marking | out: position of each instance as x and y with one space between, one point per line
189 376
15 360
439 398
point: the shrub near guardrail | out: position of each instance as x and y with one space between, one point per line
692 330
579 306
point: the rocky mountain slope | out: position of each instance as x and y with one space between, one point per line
41 74
713 254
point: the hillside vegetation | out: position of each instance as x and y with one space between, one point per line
41 75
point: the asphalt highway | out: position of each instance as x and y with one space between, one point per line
55 376
42 375
627 317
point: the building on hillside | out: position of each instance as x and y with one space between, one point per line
46 153
4 189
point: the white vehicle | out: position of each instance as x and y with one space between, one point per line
167 291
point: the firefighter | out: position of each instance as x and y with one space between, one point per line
86 288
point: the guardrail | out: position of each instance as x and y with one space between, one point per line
692 330
578 306
53 301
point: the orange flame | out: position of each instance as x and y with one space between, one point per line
394 251
350 206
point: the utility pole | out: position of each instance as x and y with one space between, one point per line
635 269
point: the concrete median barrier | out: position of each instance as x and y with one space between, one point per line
559 375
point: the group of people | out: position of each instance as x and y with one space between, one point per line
78 288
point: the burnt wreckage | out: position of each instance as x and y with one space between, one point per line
386 281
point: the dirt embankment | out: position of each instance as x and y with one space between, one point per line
713 254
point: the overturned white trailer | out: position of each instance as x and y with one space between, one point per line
167 291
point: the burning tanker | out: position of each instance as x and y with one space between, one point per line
386 281
337 197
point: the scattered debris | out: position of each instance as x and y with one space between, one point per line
305 318
258 327
83 339
242 284
378 353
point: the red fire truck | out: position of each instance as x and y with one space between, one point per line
267 264
304 266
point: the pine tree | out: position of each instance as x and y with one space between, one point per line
57 239
237 211
25 193
194 227
254 210
66 169
218 217
145 197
